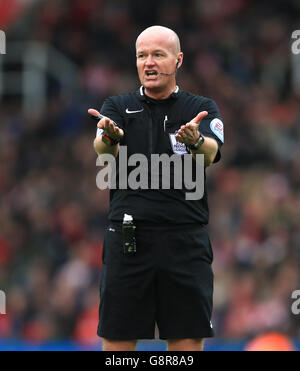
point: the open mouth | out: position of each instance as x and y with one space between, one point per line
151 73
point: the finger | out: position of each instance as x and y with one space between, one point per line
93 111
183 135
199 117
186 132
189 129
120 132
192 125
96 115
101 123
112 130
182 129
107 124
111 127
116 129
179 138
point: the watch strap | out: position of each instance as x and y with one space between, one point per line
109 141
198 144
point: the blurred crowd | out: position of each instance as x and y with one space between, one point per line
52 216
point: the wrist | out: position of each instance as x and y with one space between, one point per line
198 144
109 141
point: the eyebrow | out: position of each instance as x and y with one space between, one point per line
154 51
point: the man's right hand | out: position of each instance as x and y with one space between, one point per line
110 128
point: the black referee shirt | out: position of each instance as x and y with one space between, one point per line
149 126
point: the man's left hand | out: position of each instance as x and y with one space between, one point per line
189 133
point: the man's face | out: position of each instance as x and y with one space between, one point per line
156 54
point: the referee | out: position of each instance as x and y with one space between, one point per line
168 281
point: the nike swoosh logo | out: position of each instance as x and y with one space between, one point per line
127 111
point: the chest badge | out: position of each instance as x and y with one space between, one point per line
178 148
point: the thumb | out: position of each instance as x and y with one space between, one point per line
199 117
93 111
95 114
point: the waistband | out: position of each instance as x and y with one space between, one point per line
142 225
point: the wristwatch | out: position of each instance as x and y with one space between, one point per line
109 141
198 144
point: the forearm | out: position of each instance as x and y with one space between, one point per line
102 148
209 149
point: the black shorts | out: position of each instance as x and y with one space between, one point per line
169 281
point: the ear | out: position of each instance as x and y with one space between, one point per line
179 60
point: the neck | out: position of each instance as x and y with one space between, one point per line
159 94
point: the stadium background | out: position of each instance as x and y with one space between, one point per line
63 57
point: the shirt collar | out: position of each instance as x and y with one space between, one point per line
142 95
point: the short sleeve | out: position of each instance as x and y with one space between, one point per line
212 125
109 110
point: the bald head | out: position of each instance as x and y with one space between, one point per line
159 32
158 58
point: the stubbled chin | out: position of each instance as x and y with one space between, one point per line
151 83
